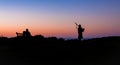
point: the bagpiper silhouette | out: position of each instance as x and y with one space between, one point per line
80 31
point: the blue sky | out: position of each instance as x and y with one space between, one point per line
64 5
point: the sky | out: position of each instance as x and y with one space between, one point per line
57 17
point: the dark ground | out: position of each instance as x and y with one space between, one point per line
38 50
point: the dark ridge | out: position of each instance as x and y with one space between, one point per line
37 50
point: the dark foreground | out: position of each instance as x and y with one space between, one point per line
39 51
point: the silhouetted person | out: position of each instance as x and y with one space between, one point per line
80 31
24 34
27 33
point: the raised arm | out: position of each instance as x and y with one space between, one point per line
76 25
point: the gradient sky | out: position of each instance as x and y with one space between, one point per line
56 17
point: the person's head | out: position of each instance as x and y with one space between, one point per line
79 26
26 30
23 31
